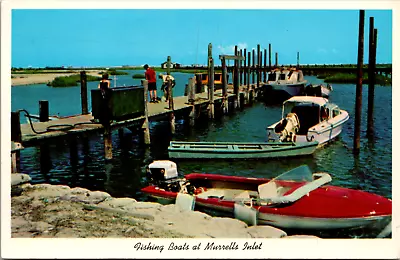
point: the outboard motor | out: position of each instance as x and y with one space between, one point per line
164 174
290 125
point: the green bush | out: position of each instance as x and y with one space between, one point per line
70 81
138 76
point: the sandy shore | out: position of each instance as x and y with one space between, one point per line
28 79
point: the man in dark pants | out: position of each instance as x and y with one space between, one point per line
150 75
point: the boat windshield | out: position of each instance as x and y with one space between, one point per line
292 185
299 174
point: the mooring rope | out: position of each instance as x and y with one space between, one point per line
57 127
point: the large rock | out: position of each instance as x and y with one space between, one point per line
19 178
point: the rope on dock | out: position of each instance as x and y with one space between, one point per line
59 127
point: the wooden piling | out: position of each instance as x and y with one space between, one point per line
253 67
84 99
191 96
211 92
258 65
276 60
241 100
240 69
248 70
244 65
145 126
265 65
298 60
371 77
209 67
225 85
270 56
107 142
357 120
43 110
236 80
16 136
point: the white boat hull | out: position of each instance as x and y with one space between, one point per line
296 222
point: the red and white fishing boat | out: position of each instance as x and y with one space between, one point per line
296 199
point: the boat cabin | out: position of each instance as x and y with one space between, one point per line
285 76
310 111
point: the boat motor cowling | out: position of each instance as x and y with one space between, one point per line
162 170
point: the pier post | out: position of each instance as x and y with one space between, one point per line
211 90
225 86
258 65
371 76
84 99
241 100
209 68
276 60
236 80
171 101
145 126
270 56
253 68
191 98
298 60
357 120
107 142
265 66
43 110
16 137
240 69
246 68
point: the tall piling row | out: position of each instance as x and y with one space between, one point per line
357 120
253 68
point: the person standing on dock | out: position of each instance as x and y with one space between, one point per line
150 75
104 87
164 86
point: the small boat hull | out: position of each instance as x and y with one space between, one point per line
325 208
238 150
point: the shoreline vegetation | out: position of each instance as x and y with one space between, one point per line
66 77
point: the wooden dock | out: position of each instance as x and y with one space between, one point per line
83 124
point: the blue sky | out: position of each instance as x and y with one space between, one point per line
115 37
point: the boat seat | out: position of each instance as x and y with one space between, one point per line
268 190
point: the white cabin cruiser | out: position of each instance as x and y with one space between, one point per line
286 82
306 119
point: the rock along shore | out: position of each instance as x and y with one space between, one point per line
44 211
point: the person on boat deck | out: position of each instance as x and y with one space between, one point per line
150 75
164 86
105 109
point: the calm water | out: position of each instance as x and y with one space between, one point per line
123 176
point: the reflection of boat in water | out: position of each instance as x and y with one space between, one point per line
306 119
319 90
296 199
238 150
284 83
